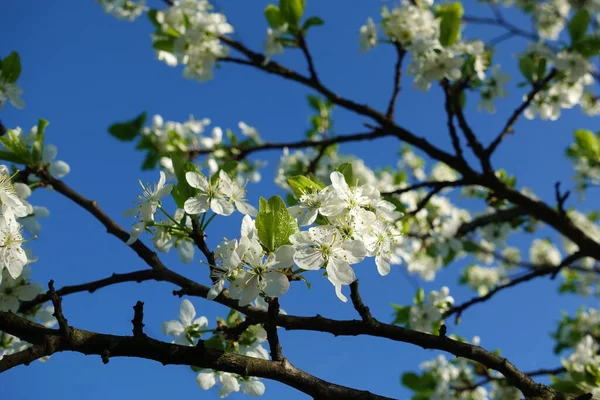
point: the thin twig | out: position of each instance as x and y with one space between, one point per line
397 78
542 271
538 87
360 307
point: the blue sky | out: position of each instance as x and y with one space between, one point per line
83 70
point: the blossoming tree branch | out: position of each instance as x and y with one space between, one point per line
337 212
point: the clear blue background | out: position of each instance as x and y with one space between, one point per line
83 70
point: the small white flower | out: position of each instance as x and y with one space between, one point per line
324 245
274 43
236 194
186 324
210 196
368 35
229 384
12 256
543 252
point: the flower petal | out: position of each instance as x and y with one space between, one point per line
277 284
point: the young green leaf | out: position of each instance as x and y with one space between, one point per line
11 67
450 15
579 25
346 170
274 223
273 16
38 144
128 130
182 191
302 185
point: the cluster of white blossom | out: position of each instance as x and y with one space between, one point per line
167 137
124 9
188 329
197 30
566 92
449 380
585 360
17 214
417 30
12 255
220 194
426 313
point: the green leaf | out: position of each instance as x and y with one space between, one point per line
566 387
152 17
182 191
587 141
346 170
150 161
419 297
302 185
315 102
167 44
38 143
589 46
411 381
312 21
13 144
527 67
292 11
579 25
232 318
274 223
10 157
450 15
127 131
402 314
11 67
273 16
215 342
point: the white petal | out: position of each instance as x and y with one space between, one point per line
59 169
277 284
172 328
340 271
206 380
215 290
196 180
309 258
221 206
27 292
383 264
284 257
49 153
250 292
185 250
354 251
9 303
253 388
187 312
196 205
202 323
339 182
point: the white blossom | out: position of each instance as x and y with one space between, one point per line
187 324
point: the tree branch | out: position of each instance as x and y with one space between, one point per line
271 328
91 343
